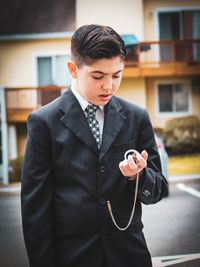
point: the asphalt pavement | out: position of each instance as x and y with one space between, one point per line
172 227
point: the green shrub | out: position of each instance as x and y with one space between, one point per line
182 135
15 169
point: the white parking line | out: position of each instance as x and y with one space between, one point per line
10 189
171 260
180 178
188 189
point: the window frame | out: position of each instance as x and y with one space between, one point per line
162 114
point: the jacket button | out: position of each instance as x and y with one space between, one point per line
103 201
102 169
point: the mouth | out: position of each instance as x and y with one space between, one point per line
105 96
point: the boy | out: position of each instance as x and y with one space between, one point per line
74 162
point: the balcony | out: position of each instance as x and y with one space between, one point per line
163 58
21 101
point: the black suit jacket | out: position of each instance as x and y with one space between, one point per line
66 182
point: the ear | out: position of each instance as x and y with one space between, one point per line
72 68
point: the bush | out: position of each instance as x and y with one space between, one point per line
159 132
15 169
182 135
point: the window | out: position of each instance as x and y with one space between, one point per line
180 25
173 98
52 70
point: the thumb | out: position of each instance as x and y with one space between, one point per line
144 154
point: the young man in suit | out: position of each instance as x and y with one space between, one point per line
74 162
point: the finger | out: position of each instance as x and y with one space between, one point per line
142 159
130 166
142 163
144 154
122 169
126 169
131 163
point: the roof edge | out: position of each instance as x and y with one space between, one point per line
36 36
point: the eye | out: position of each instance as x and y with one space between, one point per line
116 77
97 77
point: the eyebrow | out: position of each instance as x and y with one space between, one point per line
104 73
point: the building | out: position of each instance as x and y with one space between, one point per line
162 70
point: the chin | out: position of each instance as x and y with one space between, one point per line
102 103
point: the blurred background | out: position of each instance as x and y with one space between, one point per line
162 74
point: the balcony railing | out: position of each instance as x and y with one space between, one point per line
21 101
156 53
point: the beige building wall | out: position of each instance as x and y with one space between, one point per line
21 145
151 103
18 59
124 16
152 6
133 90
196 102
21 139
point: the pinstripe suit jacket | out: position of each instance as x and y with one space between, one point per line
66 181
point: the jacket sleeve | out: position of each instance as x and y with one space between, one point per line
152 184
36 194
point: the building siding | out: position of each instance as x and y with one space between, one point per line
17 66
124 16
195 103
133 90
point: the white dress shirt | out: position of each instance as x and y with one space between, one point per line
84 103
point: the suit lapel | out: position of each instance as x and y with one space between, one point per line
75 120
113 122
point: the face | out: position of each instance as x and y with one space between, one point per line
98 82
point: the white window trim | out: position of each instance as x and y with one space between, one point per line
173 114
36 55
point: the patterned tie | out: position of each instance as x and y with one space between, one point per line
93 123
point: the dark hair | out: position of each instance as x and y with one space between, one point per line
92 42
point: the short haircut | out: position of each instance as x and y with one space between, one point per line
93 42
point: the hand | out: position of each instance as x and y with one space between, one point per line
129 168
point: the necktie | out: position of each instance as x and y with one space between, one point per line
93 123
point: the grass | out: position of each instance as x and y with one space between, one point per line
187 164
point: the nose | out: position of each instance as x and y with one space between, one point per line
107 85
